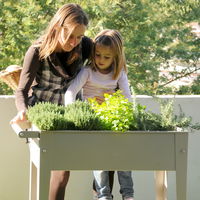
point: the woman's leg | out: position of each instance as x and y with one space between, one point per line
58 182
111 179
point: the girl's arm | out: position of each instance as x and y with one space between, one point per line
76 85
124 86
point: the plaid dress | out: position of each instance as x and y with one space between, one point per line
51 85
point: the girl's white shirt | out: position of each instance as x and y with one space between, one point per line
95 83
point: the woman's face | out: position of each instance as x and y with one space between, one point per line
70 39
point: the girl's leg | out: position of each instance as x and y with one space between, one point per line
126 184
58 182
111 181
102 185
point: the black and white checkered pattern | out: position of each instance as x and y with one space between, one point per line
51 85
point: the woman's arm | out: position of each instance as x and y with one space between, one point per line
30 67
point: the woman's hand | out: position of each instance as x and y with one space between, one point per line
20 117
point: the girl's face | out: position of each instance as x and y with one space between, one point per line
103 58
67 41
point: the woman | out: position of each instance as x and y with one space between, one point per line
49 66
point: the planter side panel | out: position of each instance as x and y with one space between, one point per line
133 151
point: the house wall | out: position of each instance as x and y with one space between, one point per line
14 159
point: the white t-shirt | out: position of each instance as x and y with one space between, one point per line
95 83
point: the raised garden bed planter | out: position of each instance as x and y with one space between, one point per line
97 150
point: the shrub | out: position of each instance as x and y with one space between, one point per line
82 116
166 121
76 116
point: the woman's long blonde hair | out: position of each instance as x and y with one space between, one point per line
113 39
69 15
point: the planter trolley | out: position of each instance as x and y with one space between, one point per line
159 151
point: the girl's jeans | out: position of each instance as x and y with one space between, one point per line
102 184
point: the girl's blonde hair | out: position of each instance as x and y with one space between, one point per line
112 39
69 15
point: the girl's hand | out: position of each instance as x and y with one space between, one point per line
20 117
99 99
109 91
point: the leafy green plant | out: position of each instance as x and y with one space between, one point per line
118 114
115 112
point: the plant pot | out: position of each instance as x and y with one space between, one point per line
133 150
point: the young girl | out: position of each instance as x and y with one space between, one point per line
106 73
49 66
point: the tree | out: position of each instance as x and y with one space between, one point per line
155 33
21 23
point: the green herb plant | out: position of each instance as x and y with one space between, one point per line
165 121
47 116
116 112
76 116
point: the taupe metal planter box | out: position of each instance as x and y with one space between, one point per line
97 150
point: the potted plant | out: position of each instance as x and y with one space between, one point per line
84 132
116 113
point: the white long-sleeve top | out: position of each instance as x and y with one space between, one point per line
95 83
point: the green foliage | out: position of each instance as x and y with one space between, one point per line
47 116
22 22
82 116
165 121
171 121
118 114
154 32
77 116
115 112
145 120
4 89
192 89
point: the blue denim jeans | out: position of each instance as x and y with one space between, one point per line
102 184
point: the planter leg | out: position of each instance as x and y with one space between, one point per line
33 181
181 167
161 185
43 179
